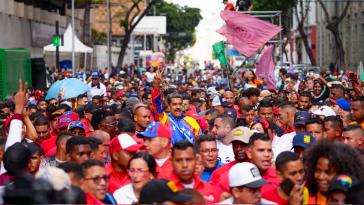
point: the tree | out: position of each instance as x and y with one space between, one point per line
130 18
332 24
301 13
181 25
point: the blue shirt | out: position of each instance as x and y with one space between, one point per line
206 174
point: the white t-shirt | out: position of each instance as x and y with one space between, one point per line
227 201
160 162
96 90
189 186
226 153
125 195
150 76
283 143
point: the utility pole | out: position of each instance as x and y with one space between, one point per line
57 48
109 23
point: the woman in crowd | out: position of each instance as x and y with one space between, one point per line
141 169
323 161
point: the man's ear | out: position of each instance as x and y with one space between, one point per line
249 153
279 174
115 156
235 192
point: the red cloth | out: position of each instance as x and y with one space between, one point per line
206 189
274 197
51 152
236 107
164 171
203 123
230 7
49 143
266 67
223 180
90 199
117 179
192 112
216 175
86 124
271 176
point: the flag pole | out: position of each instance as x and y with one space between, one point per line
228 73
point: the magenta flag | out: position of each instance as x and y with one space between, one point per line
247 34
265 68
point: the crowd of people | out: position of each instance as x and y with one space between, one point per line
155 137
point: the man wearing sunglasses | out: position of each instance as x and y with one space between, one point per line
95 182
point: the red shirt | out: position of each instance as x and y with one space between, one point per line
216 175
273 196
86 124
117 179
90 199
207 190
230 7
192 112
271 176
164 171
49 143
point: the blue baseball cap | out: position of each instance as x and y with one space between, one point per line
301 117
303 139
76 124
95 75
343 104
156 129
231 112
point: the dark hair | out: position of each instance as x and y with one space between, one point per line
183 145
314 120
126 125
62 137
41 120
355 194
173 95
97 97
16 159
41 99
360 99
352 127
94 143
336 120
345 160
265 104
81 96
98 116
306 94
64 107
283 158
338 86
186 96
227 120
258 136
148 159
283 71
73 167
203 138
252 91
247 108
90 163
75 141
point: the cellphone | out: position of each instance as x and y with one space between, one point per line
287 186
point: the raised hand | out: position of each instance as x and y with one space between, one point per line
21 97
157 78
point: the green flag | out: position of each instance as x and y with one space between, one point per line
219 50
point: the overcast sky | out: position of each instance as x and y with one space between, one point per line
206 30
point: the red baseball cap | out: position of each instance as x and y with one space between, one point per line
156 129
124 142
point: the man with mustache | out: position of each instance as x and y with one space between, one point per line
183 127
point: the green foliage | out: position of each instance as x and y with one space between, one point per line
98 37
181 25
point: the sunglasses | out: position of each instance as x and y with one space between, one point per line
97 179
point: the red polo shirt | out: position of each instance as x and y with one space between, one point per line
216 175
49 143
269 175
90 199
207 190
116 179
164 171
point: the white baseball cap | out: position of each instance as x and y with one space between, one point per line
245 174
325 111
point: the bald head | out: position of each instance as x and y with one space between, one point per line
229 96
286 114
103 136
243 101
